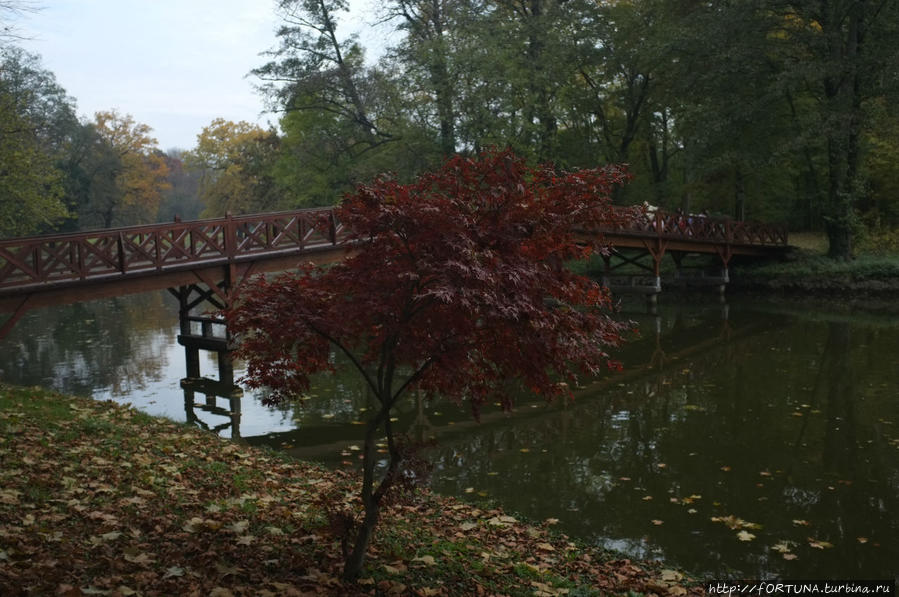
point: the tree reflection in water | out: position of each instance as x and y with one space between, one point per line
764 413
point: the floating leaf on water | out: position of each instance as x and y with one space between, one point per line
800 523
658 522
646 498
725 468
861 539
692 511
661 465
782 547
790 556
524 450
469 490
819 544
745 536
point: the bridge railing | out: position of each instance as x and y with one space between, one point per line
141 249
703 228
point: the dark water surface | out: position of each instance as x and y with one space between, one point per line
759 438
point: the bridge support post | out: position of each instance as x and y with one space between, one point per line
205 338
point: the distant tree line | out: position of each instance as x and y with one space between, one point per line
761 109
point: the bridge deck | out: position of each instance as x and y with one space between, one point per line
81 266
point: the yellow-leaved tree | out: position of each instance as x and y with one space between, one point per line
140 173
235 160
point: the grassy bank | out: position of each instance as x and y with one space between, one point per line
808 270
97 499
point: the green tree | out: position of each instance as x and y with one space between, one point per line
182 200
841 54
315 70
426 54
33 111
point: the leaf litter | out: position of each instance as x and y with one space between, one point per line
98 499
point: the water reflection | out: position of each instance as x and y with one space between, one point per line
81 347
212 390
772 423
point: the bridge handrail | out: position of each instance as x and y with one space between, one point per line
137 249
702 228
39 260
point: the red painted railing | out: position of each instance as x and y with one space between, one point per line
143 249
139 250
700 228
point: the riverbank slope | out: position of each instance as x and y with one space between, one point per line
807 270
99 499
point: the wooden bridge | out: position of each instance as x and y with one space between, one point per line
205 260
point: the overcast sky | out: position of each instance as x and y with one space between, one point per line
174 65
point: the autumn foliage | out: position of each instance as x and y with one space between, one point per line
454 286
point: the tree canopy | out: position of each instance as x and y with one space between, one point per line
768 110
454 286
33 111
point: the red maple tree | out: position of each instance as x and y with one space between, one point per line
454 287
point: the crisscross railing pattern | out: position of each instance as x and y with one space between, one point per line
139 250
703 229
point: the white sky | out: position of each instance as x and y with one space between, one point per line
174 65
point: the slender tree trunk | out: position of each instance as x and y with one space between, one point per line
739 195
843 94
353 565
371 496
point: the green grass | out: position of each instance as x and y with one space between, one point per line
810 265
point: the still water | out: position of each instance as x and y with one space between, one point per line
755 438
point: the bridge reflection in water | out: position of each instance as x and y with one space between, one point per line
652 365
766 411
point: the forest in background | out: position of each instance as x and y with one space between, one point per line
754 109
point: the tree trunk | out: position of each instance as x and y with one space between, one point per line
371 497
843 93
352 568
739 195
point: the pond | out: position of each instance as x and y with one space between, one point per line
757 438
